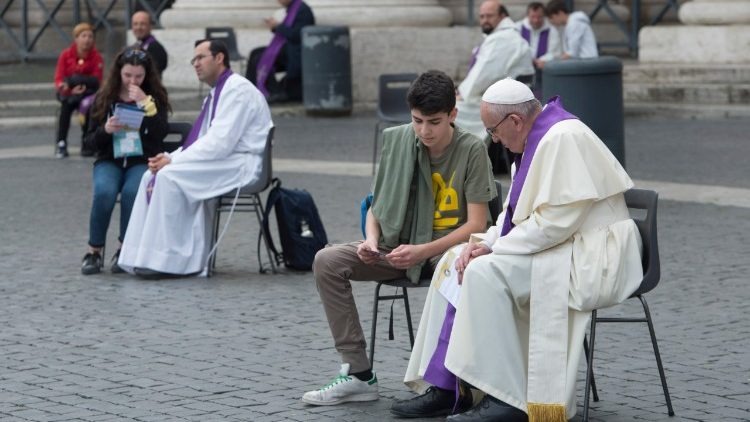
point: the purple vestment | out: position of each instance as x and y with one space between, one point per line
268 58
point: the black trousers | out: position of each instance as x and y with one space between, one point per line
290 87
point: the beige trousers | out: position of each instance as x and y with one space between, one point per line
334 267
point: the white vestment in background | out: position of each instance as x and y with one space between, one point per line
578 38
172 233
571 218
503 54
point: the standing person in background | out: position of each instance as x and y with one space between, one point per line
502 54
77 75
543 38
133 80
283 54
579 40
140 24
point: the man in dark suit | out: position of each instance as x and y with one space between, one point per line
140 24
288 57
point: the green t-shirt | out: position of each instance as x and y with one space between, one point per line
462 175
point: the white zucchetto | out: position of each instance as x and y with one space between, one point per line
508 91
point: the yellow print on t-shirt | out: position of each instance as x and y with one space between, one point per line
446 202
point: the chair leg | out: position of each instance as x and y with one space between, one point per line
215 235
670 410
408 318
593 380
264 236
589 368
375 303
375 147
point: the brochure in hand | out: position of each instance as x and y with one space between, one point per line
129 115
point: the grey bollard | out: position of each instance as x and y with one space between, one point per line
326 70
592 90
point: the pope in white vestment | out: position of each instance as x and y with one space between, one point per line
502 54
563 246
169 230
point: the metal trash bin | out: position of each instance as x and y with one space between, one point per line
326 70
592 90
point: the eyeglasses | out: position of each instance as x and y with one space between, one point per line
199 57
492 131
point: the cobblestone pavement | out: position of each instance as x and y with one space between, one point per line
245 346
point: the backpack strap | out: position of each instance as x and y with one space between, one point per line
274 196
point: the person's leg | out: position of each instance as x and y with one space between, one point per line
251 72
107 178
333 269
63 126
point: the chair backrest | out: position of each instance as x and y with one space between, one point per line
266 171
226 35
182 129
392 89
646 200
496 205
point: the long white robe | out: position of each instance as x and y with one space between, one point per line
554 46
503 54
570 215
172 233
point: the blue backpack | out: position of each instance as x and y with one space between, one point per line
301 231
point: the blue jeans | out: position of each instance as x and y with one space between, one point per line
109 180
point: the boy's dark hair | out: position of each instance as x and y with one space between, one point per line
556 6
216 47
534 5
431 93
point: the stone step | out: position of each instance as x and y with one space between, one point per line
688 93
686 111
668 73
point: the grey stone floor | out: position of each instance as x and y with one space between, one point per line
245 346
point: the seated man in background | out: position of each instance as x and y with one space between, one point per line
579 41
140 24
430 193
169 229
564 244
283 54
502 54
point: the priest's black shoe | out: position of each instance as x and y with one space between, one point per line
149 274
490 409
434 402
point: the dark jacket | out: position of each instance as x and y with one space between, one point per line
293 35
158 55
153 131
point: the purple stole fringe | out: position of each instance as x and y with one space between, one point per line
268 58
436 373
541 47
196 129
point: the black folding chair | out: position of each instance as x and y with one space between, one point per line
181 130
495 206
248 200
646 200
392 106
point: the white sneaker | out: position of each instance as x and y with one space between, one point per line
343 388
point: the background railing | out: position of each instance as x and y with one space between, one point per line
22 38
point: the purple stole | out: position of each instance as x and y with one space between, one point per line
541 47
474 54
147 42
436 373
196 129
268 58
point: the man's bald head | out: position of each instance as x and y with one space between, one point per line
140 24
491 12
